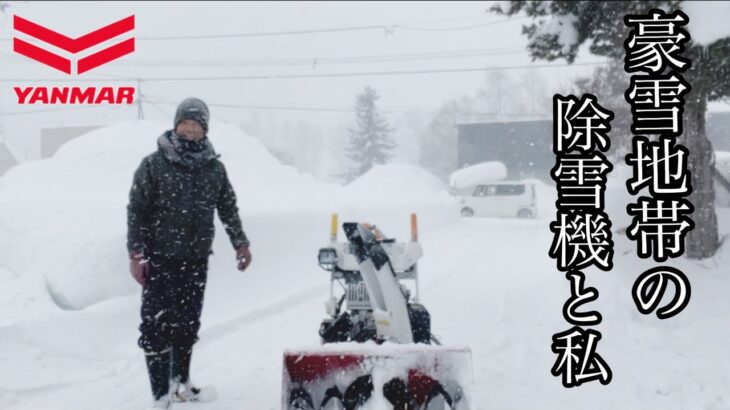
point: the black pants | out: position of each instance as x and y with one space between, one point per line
172 301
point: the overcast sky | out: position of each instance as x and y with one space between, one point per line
457 35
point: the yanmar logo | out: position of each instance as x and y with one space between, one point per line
61 60
73 45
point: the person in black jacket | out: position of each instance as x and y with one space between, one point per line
170 234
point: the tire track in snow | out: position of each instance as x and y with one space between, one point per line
214 331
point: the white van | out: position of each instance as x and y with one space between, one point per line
503 199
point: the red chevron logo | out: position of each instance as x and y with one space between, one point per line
73 45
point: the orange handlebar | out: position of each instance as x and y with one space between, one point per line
414 228
333 228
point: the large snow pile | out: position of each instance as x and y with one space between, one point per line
394 179
478 174
59 216
387 195
63 218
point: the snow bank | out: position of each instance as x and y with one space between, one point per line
387 195
63 219
399 181
478 174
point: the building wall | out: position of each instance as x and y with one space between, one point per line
53 138
525 147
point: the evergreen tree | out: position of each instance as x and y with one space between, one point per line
600 25
370 141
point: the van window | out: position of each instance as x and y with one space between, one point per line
508 190
485 190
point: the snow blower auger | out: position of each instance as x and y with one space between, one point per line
377 351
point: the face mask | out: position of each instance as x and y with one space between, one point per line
185 145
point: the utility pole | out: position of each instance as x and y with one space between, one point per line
140 112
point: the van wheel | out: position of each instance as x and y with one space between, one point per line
524 213
467 212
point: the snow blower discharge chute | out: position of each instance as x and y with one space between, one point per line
377 349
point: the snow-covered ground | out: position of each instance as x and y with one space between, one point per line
69 309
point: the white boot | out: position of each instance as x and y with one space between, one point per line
191 393
163 402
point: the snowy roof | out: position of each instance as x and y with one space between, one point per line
707 20
478 174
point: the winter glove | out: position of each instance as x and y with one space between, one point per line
243 256
139 267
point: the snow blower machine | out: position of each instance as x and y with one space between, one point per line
377 349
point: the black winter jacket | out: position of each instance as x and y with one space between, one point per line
172 204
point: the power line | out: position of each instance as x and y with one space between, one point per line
315 61
254 34
311 75
155 103
339 110
388 29
266 33
469 27
262 107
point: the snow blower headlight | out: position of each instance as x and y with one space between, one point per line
327 258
